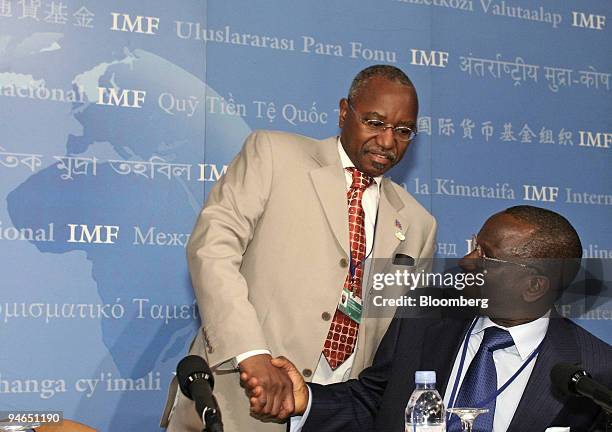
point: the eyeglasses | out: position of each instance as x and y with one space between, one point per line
401 133
482 256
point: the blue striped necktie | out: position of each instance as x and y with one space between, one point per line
480 381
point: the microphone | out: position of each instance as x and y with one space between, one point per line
571 379
196 382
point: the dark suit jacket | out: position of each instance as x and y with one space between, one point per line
376 401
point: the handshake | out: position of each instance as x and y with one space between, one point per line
275 388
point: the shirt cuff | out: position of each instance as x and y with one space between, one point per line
241 357
297 423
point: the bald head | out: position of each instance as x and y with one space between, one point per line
552 242
552 237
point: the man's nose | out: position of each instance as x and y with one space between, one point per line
386 139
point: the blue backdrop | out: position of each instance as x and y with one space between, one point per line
117 117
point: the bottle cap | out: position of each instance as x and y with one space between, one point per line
425 377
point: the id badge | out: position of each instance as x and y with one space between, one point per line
350 305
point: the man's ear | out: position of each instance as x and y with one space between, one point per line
538 287
343 105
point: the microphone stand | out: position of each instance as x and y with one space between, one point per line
210 416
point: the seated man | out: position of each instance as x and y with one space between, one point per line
520 251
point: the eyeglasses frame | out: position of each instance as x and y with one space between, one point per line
383 127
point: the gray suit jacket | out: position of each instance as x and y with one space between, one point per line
268 257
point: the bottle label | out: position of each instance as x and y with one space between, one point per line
422 428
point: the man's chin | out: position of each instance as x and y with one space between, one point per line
376 169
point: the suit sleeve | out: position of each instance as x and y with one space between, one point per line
352 405
221 236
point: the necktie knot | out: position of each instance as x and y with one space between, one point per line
496 338
360 180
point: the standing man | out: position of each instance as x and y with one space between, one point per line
276 254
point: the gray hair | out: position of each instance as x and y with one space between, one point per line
389 72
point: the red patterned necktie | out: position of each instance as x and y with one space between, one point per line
342 335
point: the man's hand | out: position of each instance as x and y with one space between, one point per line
300 391
273 398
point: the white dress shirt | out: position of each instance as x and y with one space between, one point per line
527 337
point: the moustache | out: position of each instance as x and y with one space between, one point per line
386 153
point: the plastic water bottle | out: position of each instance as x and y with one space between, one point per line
425 410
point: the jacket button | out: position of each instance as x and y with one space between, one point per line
307 373
326 316
344 262
209 347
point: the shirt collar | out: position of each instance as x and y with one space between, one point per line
348 163
527 337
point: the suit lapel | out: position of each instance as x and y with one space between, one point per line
385 242
392 220
539 405
443 341
330 185
389 221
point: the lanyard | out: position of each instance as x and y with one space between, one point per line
353 265
494 396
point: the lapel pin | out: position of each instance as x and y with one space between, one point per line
399 234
